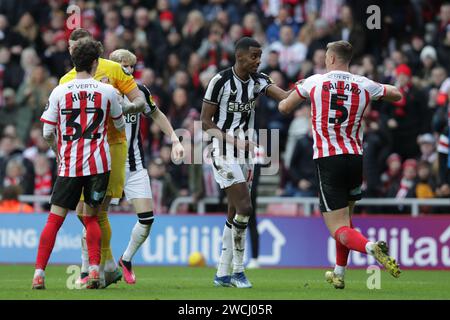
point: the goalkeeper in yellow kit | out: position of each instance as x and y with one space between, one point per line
112 73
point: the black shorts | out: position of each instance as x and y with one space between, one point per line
340 180
67 190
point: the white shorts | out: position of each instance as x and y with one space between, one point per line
137 186
227 174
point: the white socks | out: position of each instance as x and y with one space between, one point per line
139 234
84 253
94 268
239 232
339 270
369 247
226 255
39 273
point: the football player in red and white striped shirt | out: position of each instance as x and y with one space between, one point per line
338 101
77 114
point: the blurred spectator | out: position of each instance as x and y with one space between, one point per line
57 55
10 201
160 96
10 149
291 53
180 107
15 175
179 80
283 18
43 180
376 150
112 24
435 97
350 30
407 186
404 118
24 33
444 49
392 176
182 11
146 34
369 68
233 36
89 23
428 57
321 37
319 62
212 50
297 129
268 116
426 184
443 21
196 187
33 94
413 53
4 29
302 171
163 189
272 63
11 71
37 144
330 10
29 60
251 25
427 144
213 7
306 34
18 115
194 29
194 69
178 173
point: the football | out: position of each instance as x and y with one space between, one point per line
196 259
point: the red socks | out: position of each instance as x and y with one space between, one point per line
351 239
342 252
93 239
47 240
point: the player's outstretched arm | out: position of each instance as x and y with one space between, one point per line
275 92
137 103
162 121
392 93
287 105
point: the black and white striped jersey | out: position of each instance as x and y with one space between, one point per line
135 157
236 101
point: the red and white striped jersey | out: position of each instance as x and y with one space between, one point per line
338 101
79 110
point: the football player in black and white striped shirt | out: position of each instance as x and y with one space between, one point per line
137 182
228 112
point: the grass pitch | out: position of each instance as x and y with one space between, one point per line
184 283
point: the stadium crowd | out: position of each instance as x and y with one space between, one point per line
182 44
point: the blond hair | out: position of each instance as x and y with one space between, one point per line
342 49
123 56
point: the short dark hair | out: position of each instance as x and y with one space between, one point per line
342 49
79 33
245 43
11 192
85 53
